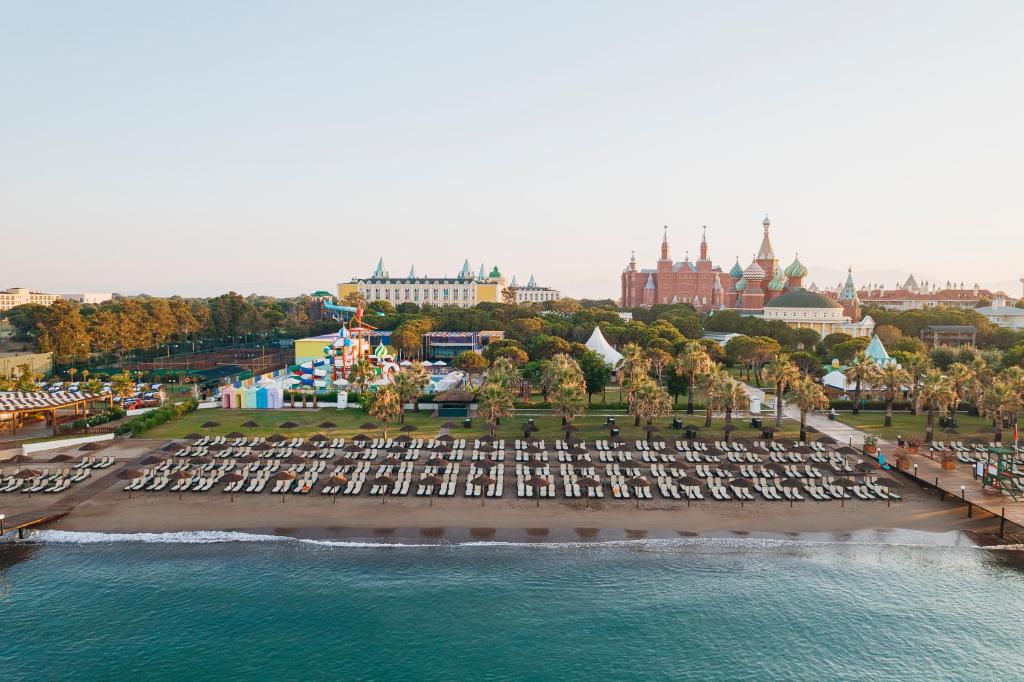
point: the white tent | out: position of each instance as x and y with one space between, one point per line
599 345
835 379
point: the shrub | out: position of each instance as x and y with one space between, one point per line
161 415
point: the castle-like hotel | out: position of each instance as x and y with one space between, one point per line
763 288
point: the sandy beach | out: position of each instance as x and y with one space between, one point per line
109 509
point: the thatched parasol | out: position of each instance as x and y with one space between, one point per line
449 424
209 425
275 438
89 447
250 424
288 425
403 439
391 460
486 463
202 459
352 447
284 475
62 458
235 434
741 483
195 436
482 480
171 447
407 428
327 425
690 481
130 474
369 426
318 438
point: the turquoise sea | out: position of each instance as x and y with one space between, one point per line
232 606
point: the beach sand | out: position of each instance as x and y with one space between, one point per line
110 510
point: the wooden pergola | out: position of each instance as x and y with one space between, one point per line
16 405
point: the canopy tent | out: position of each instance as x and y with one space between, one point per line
835 379
599 345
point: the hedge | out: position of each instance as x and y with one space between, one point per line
161 415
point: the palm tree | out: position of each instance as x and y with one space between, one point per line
730 397
917 364
123 385
72 371
783 374
651 401
569 401
863 370
361 375
964 381
418 376
494 401
807 396
408 390
934 394
385 405
714 382
92 386
893 378
694 362
998 402
634 368
658 361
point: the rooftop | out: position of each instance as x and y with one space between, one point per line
802 298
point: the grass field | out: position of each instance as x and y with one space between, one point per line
349 422
913 426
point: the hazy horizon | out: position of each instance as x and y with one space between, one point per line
194 149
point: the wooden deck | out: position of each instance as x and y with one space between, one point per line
928 471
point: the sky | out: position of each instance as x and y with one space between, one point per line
193 147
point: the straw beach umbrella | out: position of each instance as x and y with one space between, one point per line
484 481
180 475
130 475
792 484
639 482
588 482
232 477
537 482
283 475
386 481
337 481
407 428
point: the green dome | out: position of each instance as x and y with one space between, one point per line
802 298
796 269
777 283
737 270
741 284
494 273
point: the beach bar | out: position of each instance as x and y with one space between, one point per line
16 405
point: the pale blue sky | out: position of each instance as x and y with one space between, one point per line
193 147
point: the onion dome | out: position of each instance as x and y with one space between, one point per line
777 283
796 269
754 272
741 284
737 269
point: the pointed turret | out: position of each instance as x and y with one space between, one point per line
631 267
737 270
513 284
664 245
766 253
379 272
412 272
481 275
704 244
650 283
465 272
796 273
532 282
849 291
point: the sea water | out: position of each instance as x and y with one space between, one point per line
233 606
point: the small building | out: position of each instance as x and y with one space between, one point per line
804 309
453 403
446 345
531 292
1003 315
312 347
935 335
721 338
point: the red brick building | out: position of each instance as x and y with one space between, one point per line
707 286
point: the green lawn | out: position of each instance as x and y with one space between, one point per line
913 426
349 422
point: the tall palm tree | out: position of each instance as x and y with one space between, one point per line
998 402
731 397
693 362
963 379
123 385
917 364
651 401
361 375
569 401
419 377
783 374
807 396
385 406
935 395
714 382
863 370
494 401
408 390
893 378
